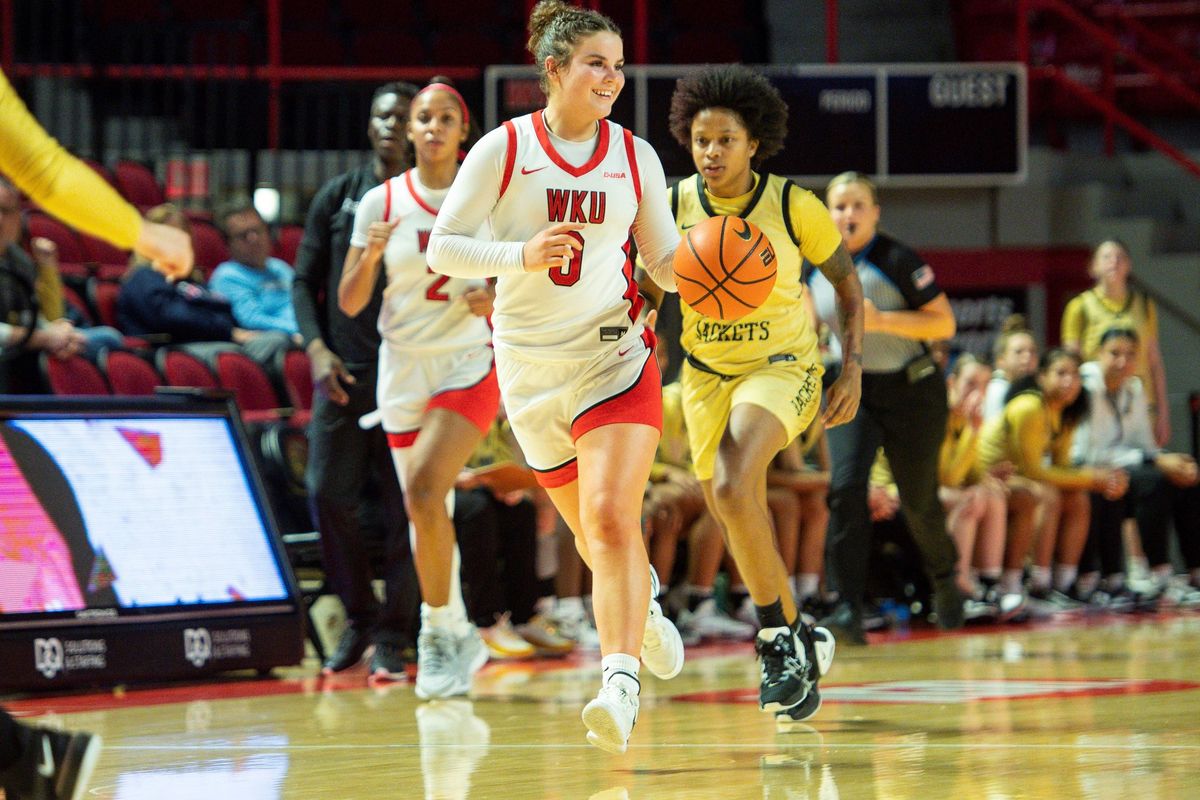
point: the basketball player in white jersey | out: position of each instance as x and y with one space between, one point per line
564 188
437 390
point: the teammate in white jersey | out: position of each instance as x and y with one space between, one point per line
437 390
564 188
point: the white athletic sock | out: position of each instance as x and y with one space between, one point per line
807 584
1039 577
446 617
621 669
570 608
1010 581
1064 576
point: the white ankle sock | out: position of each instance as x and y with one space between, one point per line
621 669
446 617
807 584
1039 577
1064 576
1010 581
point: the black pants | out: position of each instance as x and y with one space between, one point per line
1152 500
357 505
498 544
909 421
11 741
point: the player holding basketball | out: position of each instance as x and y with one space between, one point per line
752 386
437 387
564 188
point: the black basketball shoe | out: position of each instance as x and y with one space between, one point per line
784 668
54 765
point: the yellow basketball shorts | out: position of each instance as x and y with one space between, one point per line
789 390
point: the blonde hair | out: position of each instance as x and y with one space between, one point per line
854 177
555 28
1014 325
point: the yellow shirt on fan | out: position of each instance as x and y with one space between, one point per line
799 227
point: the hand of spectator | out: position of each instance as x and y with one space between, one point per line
1180 469
1002 470
466 480
552 247
60 339
329 373
1162 428
882 504
169 249
994 483
45 251
242 335
481 300
1112 483
378 234
972 408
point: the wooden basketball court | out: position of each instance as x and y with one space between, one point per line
1099 708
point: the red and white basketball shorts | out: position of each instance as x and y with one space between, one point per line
412 383
550 404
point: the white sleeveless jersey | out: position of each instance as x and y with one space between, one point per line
567 312
421 309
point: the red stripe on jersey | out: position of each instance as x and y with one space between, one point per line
633 169
387 199
558 476
510 157
640 403
478 403
408 182
631 293
398 441
543 137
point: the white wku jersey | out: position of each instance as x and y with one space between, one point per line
564 313
421 309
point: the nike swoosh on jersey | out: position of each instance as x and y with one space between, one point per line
525 171
744 234
45 767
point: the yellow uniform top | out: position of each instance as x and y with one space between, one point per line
1090 314
61 184
1024 434
799 227
958 460
673 449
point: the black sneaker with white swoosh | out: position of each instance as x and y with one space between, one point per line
54 765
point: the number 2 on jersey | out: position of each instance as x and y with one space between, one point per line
434 292
569 275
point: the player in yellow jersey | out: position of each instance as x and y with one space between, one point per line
752 385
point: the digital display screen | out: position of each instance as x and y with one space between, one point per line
129 513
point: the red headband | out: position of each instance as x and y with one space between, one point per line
445 87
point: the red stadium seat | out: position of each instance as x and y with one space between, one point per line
180 368
288 242
297 382
129 374
102 295
70 249
252 389
138 184
72 299
209 246
72 376
102 252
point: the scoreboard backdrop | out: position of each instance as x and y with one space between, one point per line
904 124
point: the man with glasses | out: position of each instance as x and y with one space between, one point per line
258 285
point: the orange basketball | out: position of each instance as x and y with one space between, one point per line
725 267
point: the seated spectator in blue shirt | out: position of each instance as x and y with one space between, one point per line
258 286
151 304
